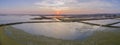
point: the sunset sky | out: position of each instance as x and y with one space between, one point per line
65 6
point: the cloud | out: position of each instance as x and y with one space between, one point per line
73 4
95 4
54 4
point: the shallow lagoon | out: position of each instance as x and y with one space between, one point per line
59 30
89 34
62 30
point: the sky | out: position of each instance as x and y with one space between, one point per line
65 6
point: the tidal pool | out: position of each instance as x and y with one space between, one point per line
61 30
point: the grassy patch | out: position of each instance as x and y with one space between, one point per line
5 40
104 38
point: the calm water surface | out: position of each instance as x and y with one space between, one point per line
59 30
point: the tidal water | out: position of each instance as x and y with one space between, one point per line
58 30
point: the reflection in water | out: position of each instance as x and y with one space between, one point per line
69 31
60 30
